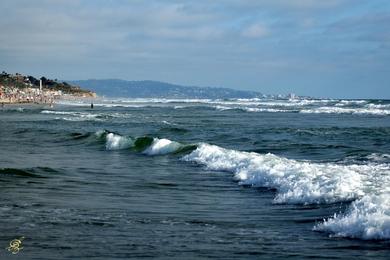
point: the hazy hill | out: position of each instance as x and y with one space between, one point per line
156 89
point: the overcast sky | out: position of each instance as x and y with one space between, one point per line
322 48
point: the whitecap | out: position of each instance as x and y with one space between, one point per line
117 142
297 182
340 110
367 218
162 146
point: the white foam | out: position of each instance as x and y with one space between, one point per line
78 116
251 109
167 123
378 106
59 112
223 108
162 146
303 182
84 116
341 110
367 218
343 103
378 157
269 110
116 142
298 182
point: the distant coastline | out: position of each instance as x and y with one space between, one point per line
20 89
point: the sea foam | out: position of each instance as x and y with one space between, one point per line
302 182
367 218
297 182
342 110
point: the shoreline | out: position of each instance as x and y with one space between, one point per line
8 102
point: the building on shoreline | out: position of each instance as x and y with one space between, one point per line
28 95
27 89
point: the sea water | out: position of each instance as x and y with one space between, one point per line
182 179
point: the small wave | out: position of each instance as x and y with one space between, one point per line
367 218
74 116
113 141
59 112
378 106
167 123
177 130
118 142
145 145
162 146
13 109
27 173
340 110
269 110
84 116
343 103
252 109
77 136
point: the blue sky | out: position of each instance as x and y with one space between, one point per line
332 48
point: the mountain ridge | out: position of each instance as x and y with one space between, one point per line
158 89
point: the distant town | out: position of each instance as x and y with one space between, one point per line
17 88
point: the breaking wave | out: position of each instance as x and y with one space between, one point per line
302 182
295 182
145 145
342 110
367 218
259 105
84 116
162 146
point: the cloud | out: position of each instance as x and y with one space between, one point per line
158 39
255 31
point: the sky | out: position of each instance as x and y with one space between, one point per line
332 48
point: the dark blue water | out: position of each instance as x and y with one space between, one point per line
196 179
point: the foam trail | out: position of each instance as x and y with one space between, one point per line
340 110
367 218
162 146
297 182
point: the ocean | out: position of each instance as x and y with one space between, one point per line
190 179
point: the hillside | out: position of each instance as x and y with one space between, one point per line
20 82
156 89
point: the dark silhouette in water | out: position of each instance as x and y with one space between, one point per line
91 105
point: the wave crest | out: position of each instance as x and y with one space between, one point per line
367 218
297 182
162 146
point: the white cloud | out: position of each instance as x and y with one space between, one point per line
255 31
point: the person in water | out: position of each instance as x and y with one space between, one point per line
91 105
